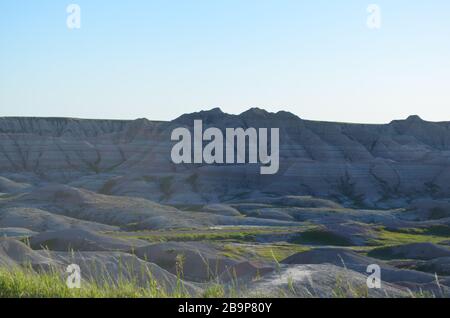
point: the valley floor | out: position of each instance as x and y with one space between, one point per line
289 246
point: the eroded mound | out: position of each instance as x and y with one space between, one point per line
421 251
81 240
197 261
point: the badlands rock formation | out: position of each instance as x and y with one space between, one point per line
355 164
101 192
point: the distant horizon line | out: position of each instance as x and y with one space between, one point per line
218 109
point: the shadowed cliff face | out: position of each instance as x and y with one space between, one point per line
355 164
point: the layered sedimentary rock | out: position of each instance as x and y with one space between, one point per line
355 164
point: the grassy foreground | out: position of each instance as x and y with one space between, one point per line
22 283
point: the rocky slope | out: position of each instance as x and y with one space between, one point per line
101 193
355 164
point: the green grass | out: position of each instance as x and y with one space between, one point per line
20 283
407 236
23 283
320 236
29 284
343 289
267 252
436 230
182 237
186 235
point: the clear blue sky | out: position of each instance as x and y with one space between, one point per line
159 59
